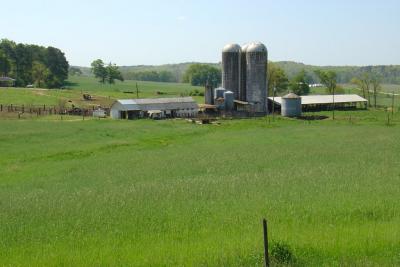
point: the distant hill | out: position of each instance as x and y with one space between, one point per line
390 73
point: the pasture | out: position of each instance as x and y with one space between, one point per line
172 193
103 94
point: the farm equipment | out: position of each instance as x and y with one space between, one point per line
87 97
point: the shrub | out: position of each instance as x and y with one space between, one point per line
282 253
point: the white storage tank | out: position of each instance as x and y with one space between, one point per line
291 105
229 98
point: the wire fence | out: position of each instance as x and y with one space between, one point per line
45 110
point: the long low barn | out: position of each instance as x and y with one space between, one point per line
159 107
325 101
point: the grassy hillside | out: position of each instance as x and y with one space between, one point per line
103 94
170 193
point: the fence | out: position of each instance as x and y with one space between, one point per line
44 110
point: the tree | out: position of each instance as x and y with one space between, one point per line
113 73
74 71
58 67
299 84
364 83
376 81
202 74
99 70
276 79
329 79
4 64
40 74
21 58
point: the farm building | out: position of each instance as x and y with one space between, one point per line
7 82
155 108
324 102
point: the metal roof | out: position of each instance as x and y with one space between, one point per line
6 79
324 99
156 100
147 104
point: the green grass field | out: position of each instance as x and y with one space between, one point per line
103 94
172 193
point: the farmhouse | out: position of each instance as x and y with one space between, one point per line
323 102
183 107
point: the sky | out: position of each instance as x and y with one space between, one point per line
154 32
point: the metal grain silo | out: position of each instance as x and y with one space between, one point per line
291 105
231 68
256 76
243 67
219 92
229 99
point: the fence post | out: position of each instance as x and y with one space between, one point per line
266 255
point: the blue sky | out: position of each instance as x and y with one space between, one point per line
321 32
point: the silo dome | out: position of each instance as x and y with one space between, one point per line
231 48
244 47
256 47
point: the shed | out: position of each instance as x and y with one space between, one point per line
325 102
169 107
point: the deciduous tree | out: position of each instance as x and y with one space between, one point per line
276 79
299 85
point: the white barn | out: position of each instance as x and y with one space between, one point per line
166 108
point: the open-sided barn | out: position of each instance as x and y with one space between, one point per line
163 107
324 102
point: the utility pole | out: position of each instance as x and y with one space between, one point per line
392 104
333 98
137 91
273 102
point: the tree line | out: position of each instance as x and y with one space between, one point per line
106 73
151 76
28 64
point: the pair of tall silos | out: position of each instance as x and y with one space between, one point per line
244 72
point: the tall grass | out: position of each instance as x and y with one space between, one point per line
170 193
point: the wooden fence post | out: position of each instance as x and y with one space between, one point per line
266 255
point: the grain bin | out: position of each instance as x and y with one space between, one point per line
291 105
256 76
231 68
229 99
219 92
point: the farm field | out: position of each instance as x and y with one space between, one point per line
103 94
172 193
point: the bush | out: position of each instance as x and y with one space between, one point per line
282 253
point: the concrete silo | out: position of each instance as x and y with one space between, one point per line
291 105
256 76
231 68
243 67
